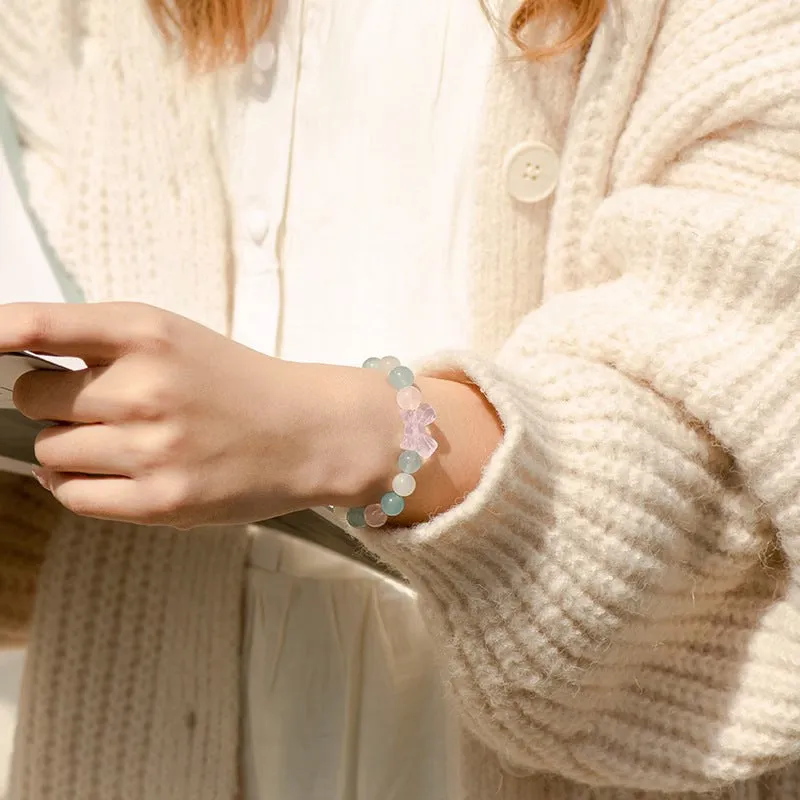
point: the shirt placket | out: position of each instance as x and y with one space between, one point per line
262 158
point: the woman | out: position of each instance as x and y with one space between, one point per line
604 547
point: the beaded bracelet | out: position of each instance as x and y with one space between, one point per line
417 445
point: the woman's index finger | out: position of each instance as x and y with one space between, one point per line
94 332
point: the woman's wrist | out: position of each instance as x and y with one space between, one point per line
351 435
468 431
358 440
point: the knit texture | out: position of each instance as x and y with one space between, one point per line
132 677
617 605
618 600
131 685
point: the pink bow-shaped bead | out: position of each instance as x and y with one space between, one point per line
415 434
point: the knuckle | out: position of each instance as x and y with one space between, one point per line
152 330
143 458
169 501
162 393
34 329
140 406
159 449
171 440
149 400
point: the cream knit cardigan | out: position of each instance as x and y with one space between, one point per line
618 604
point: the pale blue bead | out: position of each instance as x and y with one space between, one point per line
392 504
355 518
372 363
400 377
409 461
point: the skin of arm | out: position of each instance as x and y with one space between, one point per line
173 424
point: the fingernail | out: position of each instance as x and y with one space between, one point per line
41 477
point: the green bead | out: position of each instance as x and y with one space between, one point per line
392 504
355 518
372 363
409 462
400 377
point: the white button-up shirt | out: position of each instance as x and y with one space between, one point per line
351 155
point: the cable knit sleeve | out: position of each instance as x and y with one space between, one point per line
618 602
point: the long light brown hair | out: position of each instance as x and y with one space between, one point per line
583 15
216 31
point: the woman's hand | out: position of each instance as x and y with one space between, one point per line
173 424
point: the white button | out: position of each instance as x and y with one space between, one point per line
531 172
264 56
261 85
257 224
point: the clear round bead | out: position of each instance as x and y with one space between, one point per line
409 398
388 363
374 516
372 363
404 484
